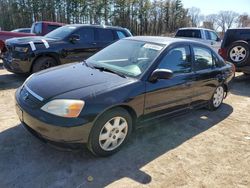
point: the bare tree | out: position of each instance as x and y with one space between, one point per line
226 19
244 20
211 20
195 16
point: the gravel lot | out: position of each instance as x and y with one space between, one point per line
198 149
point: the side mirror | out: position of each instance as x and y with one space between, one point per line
161 74
73 38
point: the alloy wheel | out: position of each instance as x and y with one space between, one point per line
218 96
238 54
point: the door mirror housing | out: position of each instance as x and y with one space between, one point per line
163 74
74 37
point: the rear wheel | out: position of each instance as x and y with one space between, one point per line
217 98
110 132
43 63
239 53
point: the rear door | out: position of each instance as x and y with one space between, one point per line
206 74
167 96
104 37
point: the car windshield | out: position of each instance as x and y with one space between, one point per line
128 57
61 32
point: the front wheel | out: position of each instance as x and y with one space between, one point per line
110 132
43 63
217 98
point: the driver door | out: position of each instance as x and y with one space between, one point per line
174 94
82 48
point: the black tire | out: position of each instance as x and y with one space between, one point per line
43 63
236 57
94 145
212 106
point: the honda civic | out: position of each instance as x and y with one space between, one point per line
101 100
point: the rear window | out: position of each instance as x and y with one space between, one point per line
36 28
191 33
104 35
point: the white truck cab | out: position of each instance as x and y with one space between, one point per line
206 36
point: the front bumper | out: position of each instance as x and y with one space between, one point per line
16 65
66 135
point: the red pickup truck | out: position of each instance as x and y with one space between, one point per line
38 29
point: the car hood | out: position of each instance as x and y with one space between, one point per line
26 40
60 80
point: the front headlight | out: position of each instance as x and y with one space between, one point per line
64 107
21 49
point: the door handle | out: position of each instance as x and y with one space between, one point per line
94 43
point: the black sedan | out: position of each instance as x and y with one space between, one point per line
100 101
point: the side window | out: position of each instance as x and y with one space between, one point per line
218 62
202 58
120 34
177 60
213 36
208 37
104 35
86 34
37 29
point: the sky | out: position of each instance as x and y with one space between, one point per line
214 6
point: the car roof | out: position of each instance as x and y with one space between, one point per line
240 28
22 28
95 26
160 40
195 28
52 23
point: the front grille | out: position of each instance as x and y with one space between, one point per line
29 99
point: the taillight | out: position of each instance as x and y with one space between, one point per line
223 53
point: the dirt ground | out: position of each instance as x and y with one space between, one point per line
198 149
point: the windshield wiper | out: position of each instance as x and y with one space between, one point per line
109 70
87 64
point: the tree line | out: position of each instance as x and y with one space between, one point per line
142 17
222 21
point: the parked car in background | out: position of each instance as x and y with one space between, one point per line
22 30
236 48
99 101
206 36
38 29
70 43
